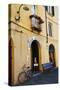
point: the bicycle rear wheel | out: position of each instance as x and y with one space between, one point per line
21 77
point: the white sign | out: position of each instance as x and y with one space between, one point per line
36 64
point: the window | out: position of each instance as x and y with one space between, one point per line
36 22
46 8
50 29
53 11
33 9
50 10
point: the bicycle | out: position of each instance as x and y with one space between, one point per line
26 74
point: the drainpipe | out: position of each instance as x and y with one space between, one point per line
47 54
46 26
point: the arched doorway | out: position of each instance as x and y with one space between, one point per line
52 54
11 59
35 55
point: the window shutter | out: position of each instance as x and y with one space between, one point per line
50 29
46 8
52 11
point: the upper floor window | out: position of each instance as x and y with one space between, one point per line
50 28
33 9
50 10
36 20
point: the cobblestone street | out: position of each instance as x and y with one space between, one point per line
50 77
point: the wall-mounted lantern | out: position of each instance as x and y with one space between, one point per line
17 17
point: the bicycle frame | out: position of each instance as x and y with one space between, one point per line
25 74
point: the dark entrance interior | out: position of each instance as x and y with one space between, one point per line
35 56
52 54
10 62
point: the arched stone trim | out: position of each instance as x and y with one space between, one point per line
31 40
39 46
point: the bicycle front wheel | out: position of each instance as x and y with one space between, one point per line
22 77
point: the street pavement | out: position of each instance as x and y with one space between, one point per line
39 78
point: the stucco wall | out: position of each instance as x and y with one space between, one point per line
22 36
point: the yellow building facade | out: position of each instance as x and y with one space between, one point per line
33 34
